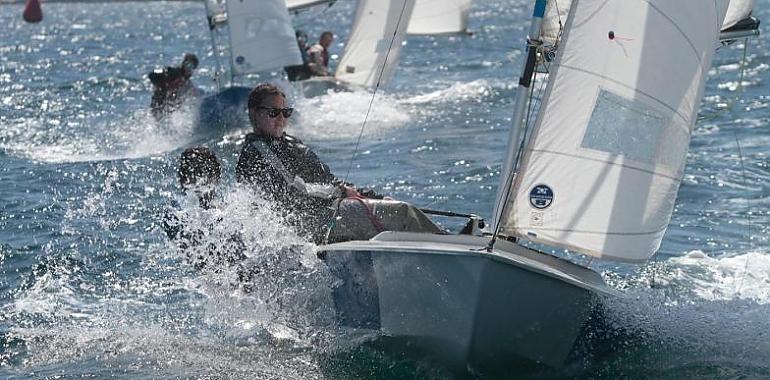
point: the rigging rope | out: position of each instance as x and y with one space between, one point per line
368 111
738 88
748 214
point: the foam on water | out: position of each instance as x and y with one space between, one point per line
341 115
682 315
460 91
178 320
739 277
138 135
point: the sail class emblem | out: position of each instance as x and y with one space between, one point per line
541 196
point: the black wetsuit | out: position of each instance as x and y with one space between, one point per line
308 207
166 97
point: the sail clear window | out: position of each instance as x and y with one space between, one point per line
634 130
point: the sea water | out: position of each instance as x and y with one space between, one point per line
91 287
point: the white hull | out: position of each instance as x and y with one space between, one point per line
318 86
464 306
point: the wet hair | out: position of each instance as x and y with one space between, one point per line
198 165
326 33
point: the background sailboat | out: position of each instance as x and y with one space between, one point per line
372 50
259 37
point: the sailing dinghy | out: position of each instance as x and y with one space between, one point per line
372 50
597 173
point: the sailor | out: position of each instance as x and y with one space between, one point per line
300 72
199 174
318 55
172 86
288 172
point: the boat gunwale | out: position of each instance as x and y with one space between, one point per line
475 246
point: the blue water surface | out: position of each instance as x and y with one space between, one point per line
91 287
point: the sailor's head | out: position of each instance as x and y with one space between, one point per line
199 171
326 39
268 111
301 37
189 64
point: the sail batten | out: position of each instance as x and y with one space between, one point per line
602 167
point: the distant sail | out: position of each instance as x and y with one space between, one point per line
379 28
601 171
295 5
261 36
737 11
554 20
439 16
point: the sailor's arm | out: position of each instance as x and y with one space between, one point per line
317 171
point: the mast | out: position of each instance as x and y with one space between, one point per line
522 96
215 19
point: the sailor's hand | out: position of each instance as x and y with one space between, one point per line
350 192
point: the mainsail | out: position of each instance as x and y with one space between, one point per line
600 172
439 16
378 29
261 36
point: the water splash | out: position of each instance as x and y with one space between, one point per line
341 114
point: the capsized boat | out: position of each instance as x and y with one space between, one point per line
597 173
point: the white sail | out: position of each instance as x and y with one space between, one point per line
602 168
378 29
439 16
737 11
261 36
557 10
555 18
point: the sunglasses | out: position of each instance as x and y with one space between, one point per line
274 112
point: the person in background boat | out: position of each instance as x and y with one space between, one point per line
199 173
289 173
318 55
300 72
172 86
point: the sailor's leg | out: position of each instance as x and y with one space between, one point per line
354 221
401 216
